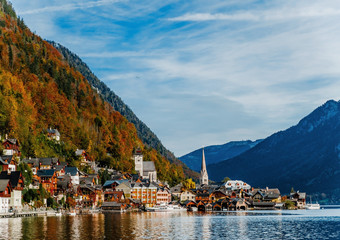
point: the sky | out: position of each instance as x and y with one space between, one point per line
200 73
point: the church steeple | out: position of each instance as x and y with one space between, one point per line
204 174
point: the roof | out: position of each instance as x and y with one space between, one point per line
3 184
116 194
3 162
149 166
48 161
58 167
111 204
110 182
7 158
53 131
13 177
32 161
45 173
12 140
71 170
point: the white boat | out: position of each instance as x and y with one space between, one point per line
165 208
312 206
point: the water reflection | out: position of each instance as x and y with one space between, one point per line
226 225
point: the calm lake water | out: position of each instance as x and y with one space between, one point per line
302 224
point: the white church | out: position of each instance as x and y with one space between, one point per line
147 169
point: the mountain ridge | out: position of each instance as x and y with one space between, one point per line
217 153
305 156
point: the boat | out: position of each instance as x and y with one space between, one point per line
165 208
58 214
312 206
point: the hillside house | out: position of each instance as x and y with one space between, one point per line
8 163
74 173
11 147
48 179
5 195
53 134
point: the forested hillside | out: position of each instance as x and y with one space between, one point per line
143 131
39 89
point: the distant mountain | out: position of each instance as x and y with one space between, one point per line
217 153
305 156
144 133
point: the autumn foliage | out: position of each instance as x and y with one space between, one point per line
38 90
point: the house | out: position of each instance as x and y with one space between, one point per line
16 179
146 192
177 190
48 163
53 134
163 196
84 158
11 147
272 195
114 196
126 188
74 173
187 195
64 183
48 179
33 163
189 204
89 196
113 184
217 194
238 204
5 195
8 163
299 198
59 170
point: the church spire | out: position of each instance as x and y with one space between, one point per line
204 174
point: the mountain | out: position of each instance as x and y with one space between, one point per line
305 156
217 153
40 89
144 133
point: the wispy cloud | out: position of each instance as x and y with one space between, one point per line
285 14
69 7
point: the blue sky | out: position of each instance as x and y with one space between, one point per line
203 72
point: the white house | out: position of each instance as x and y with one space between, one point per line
15 202
187 195
74 173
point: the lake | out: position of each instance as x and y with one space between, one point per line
301 224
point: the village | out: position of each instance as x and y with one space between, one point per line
57 187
